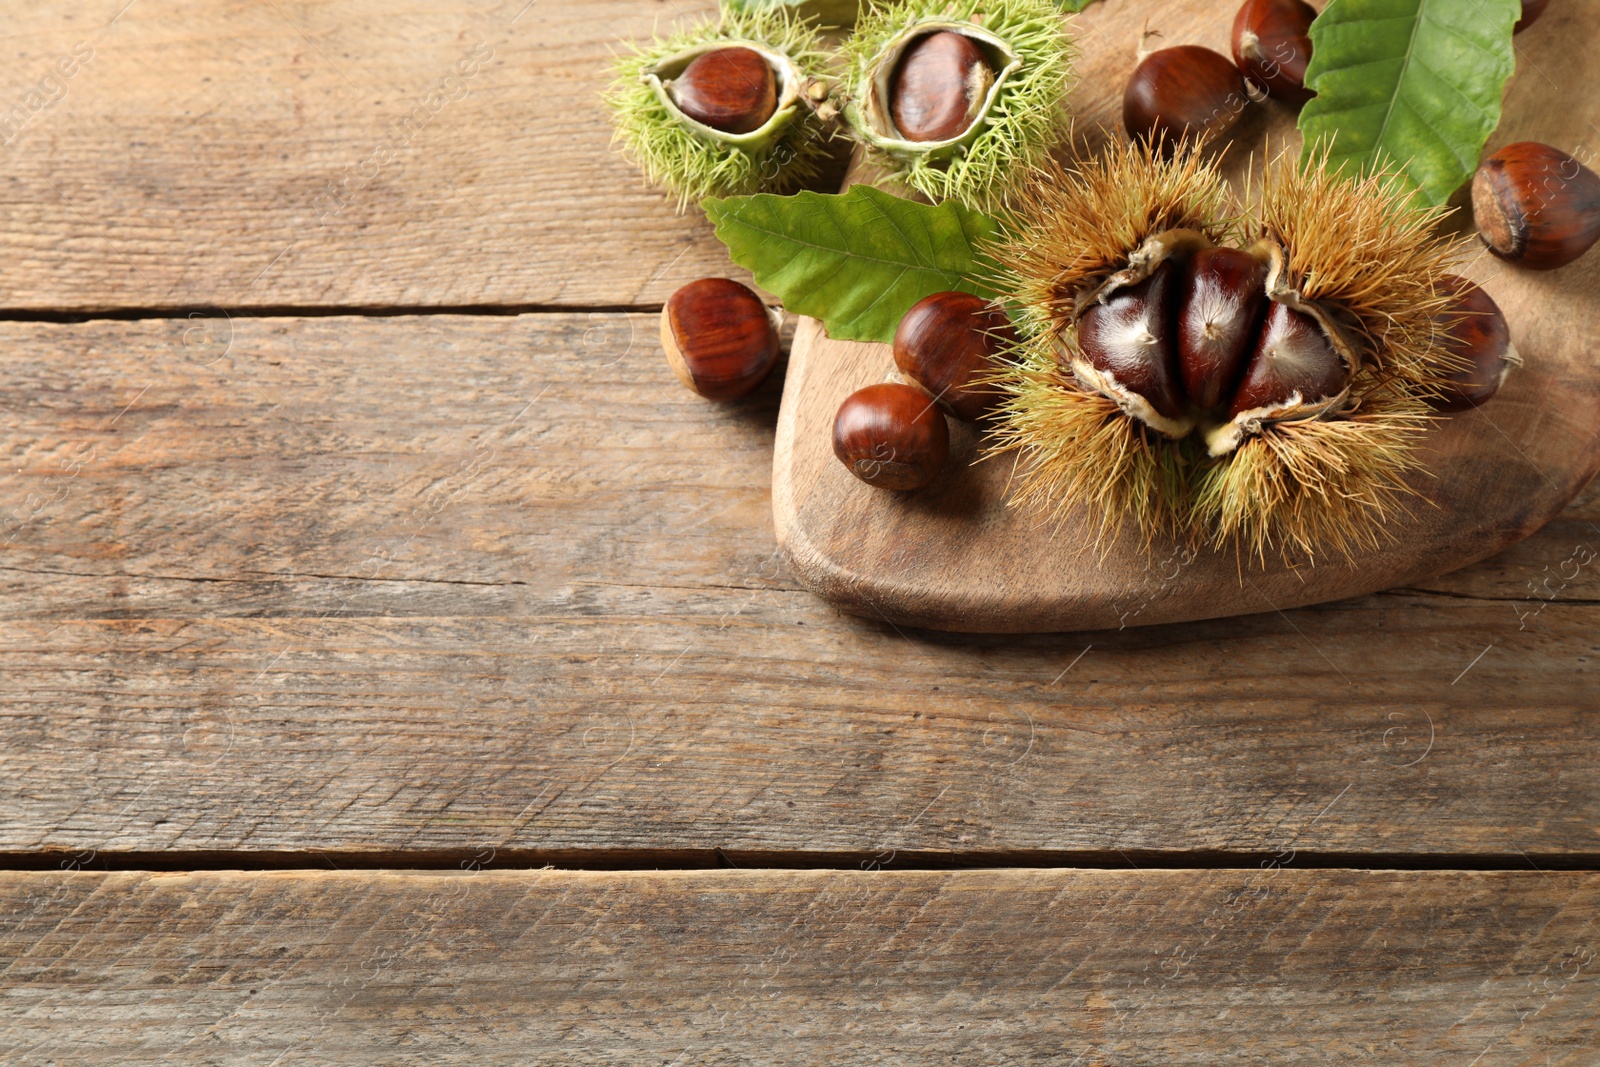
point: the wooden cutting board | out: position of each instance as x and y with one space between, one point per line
956 557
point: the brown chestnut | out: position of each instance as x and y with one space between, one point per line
732 89
1220 315
1477 335
1536 206
948 343
1187 89
891 436
939 87
1531 10
1272 45
1128 335
1292 356
721 340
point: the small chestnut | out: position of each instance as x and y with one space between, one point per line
948 343
1220 315
1536 206
1531 10
939 87
730 89
721 340
1478 336
1292 356
1272 45
891 436
1129 336
1187 89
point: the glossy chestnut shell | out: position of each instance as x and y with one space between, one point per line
891 436
949 343
719 338
939 87
1478 335
1272 45
1187 90
731 89
1536 206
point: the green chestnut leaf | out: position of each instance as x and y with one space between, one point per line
857 260
1415 83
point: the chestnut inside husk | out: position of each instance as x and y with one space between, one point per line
985 52
1251 371
1191 335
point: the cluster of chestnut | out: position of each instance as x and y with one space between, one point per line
1201 343
723 343
1190 90
954 99
893 435
937 88
1535 205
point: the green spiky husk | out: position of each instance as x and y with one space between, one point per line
676 158
1026 119
1302 489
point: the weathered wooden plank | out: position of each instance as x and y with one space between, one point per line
225 153
604 733
663 719
984 967
449 582
178 468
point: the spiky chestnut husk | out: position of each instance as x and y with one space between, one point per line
1071 233
1370 264
691 160
1019 121
1310 487
1304 475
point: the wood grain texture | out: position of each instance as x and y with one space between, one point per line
956 556
991 967
226 153
446 582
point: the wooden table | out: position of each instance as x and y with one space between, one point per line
398 667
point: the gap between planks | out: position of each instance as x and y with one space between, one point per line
637 860
79 316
